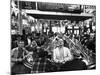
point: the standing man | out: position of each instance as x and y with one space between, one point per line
17 56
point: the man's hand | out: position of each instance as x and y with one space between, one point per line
64 62
13 59
20 59
61 61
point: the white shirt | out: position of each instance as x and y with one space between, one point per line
61 55
29 41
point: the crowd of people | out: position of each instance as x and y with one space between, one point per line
43 48
39 53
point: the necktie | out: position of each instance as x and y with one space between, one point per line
20 53
61 54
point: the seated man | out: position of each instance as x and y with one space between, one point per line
61 54
65 60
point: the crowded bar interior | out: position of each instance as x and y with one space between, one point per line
39 29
